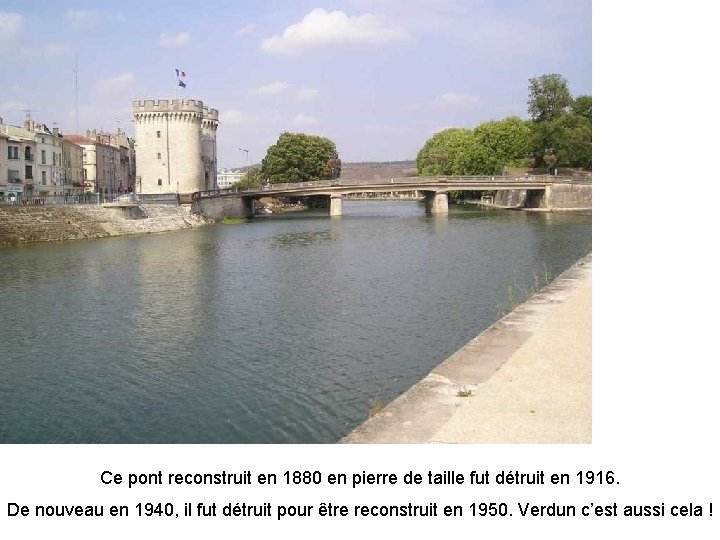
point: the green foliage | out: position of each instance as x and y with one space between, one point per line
558 134
251 180
487 149
297 157
233 221
505 143
582 106
562 126
573 145
549 97
376 405
447 152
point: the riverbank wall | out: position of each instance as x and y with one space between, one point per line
526 379
559 197
35 224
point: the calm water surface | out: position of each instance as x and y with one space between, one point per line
280 330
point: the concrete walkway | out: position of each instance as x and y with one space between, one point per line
526 379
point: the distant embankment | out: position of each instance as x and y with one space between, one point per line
377 171
33 224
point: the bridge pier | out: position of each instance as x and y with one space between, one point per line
436 202
335 205
219 208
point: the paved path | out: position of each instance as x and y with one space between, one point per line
529 377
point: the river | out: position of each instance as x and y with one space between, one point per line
286 329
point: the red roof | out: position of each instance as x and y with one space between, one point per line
79 139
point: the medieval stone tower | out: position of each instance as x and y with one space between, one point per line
175 146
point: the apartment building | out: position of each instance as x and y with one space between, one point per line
20 163
108 162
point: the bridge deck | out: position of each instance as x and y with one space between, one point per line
419 183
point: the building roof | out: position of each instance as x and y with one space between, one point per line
19 133
80 139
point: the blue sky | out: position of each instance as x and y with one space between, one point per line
378 77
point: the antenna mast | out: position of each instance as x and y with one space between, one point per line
77 128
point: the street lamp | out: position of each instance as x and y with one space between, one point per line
247 155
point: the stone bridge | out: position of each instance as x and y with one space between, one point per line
550 192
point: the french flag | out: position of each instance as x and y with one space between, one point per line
179 73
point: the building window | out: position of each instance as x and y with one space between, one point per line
44 178
157 133
159 181
28 172
43 156
159 155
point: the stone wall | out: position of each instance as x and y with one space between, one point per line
555 197
32 224
219 208
172 138
511 198
567 196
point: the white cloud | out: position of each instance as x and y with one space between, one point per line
82 19
322 29
112 85
304 120
174 40
308 94
455 99
10 27
271 89
244 31
12 106
232 117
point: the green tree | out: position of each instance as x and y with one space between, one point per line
297 157
251 179
504 143
568 137
573 145
487 149
549 97
582 105
453 151
562 126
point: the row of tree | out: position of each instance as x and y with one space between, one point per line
558 133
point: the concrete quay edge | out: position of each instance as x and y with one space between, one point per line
529 377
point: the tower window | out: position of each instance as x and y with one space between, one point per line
157 133
159 181
159 155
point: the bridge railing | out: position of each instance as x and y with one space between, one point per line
410 180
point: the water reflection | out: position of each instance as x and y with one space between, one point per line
303 238
280 330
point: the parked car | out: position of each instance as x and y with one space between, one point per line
130 197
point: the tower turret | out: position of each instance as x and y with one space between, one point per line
169 147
